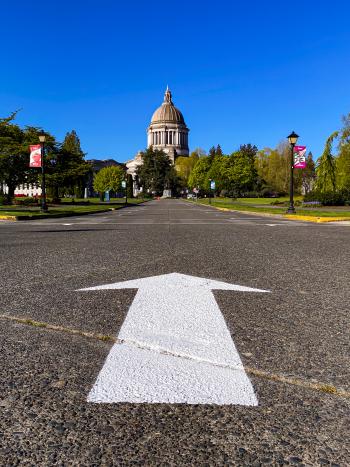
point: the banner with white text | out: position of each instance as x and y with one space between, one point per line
299 157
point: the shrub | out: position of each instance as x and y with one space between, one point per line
25 201
251 194
2 200
279 203
328 198
144 196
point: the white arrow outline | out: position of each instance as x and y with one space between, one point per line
174 346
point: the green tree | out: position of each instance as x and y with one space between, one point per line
108 179
326 167
273 170
308 174
69 171
199 177
156 172
343 158
184 166
215 151
14 155
218 173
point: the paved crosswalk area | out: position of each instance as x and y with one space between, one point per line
77 313
159 213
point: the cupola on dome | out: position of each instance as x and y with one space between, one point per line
167 112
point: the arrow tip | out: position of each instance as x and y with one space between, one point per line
174 279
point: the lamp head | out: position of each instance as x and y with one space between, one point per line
42 137
293 138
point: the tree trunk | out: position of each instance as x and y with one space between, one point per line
10 193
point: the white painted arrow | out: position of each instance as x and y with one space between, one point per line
174 346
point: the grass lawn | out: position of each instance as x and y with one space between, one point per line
98 201
66 209
250 205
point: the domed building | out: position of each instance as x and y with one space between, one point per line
167 132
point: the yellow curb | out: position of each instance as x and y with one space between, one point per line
316 219
253 213
288 216
8 218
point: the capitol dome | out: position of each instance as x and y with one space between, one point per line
168 130
167 112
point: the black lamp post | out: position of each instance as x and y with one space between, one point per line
42 139
293 138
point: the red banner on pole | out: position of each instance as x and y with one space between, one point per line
35 155
299 157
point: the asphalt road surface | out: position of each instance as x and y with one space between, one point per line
293 341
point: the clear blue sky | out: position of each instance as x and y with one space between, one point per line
241 72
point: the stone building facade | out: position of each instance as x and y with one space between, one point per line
167 131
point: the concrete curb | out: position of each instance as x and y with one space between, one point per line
316 219
8 218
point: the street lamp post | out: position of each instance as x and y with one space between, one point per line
126 190
293 138
210 191
42 139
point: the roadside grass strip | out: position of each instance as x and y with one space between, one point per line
22 214
262 374
317 217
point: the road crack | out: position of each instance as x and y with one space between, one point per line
262 374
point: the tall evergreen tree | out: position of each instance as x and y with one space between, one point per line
218 151
326 167
308 174
212 153
343 159
69 170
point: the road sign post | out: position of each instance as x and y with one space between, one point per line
126 192
212 187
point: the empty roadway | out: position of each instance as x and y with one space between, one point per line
294 341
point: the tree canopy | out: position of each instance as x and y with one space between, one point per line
109 179
65 167
156 172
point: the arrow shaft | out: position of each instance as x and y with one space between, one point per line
180 320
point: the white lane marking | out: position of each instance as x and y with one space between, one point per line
245 219
67 224
174 347
274 225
